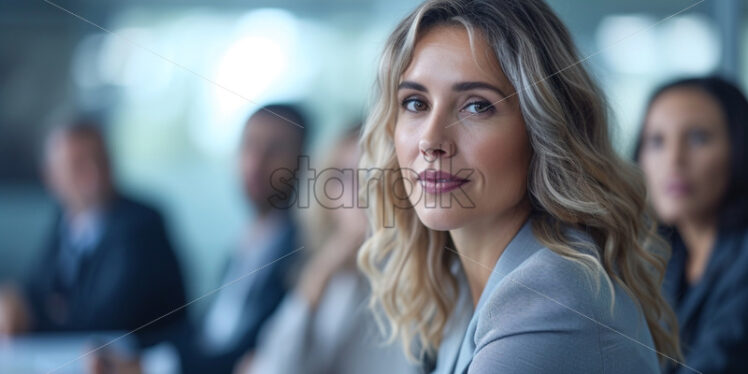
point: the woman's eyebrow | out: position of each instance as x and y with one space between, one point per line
462 86
412 85
466 86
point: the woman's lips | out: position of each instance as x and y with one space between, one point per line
677 189
436 181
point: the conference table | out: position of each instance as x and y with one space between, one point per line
58 353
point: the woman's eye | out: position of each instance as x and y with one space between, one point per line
698 137
414 105
654 141
478 107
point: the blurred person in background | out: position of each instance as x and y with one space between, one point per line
694 152
324 324
256 276
273 140
108 264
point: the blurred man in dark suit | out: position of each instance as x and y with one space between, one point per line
109 264
256 276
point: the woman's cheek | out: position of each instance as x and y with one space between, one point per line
505 161
713 175
507 149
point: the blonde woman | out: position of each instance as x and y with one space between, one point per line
507 236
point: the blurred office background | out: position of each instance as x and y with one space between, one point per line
175 80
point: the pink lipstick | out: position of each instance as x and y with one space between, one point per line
435 181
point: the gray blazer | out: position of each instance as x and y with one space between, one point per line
541 313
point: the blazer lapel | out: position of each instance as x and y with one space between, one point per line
86 281
449 348
719 261
522 246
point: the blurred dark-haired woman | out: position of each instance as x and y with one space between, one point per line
693 152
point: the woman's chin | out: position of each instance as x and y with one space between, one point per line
440 219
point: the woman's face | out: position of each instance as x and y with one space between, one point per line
460 140
685 155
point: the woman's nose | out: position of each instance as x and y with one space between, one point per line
676 153
436 141
432 151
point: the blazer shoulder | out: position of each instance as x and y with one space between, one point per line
548 284
558 314
733 277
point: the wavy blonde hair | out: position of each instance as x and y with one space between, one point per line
575 179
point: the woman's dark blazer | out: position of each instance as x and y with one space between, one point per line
713 313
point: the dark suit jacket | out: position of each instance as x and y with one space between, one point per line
272 282
713 314
129 279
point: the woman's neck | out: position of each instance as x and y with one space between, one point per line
480 244
699 236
